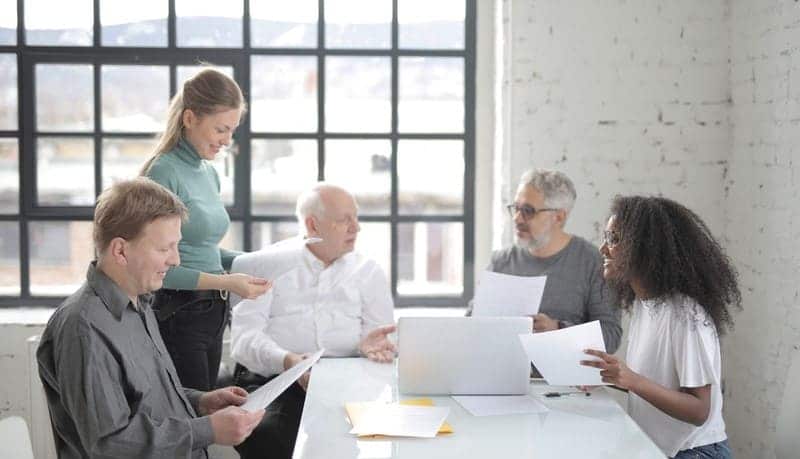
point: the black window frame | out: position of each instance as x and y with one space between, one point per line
239 59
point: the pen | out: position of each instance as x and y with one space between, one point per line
564 394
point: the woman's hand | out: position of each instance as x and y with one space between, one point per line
246 286
612 369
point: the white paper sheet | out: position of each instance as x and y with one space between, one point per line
494 405
557 354
505 295
264 395
272 261
401 420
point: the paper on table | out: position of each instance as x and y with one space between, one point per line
272 261
401 420
493 405
506 295
356 409
264 395
557 354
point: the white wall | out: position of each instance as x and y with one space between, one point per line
763 217
625 97
697 101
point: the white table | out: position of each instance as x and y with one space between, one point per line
576 426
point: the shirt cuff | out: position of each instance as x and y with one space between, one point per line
194 398
276 358
202 433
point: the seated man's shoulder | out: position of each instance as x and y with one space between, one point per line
585 247
505 254
79 313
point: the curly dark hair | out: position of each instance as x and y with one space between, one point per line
670 250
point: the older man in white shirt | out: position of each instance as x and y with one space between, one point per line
334 299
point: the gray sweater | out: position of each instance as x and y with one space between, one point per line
575 291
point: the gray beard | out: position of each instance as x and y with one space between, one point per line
532 243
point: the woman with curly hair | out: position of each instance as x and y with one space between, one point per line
670 272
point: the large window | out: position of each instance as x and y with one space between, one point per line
376 95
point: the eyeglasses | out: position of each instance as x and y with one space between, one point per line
611 238
527 211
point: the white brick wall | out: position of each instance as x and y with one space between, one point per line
700 102
763 219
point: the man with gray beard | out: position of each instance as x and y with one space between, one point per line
575 291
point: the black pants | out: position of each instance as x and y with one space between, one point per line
192 323
274 437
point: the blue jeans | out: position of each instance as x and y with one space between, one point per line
719 450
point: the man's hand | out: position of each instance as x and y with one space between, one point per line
293 359
543 323
215 400
612 369
376 345
232 425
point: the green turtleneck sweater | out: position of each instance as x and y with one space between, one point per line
196 183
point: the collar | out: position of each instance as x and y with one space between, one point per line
110 294
317 265
186 153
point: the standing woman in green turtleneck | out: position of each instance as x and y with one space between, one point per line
192 307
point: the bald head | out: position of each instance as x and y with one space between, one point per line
329 212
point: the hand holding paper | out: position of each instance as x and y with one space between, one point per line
265 394
558 354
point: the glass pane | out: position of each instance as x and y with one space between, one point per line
430 176
60 252
9 176
135 97
9 259
8 92
58 109
282 24
358 23
426 24
8 22
266 233
431 94
124 158
358 94
59 23
364 167
225 164
206 23
281 169
375 241
234 238
65 171
184 72
283 94
140 23
430 259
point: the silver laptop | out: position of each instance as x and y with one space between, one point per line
463 355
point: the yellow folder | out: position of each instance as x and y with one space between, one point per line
356 409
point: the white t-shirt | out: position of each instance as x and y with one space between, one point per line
674 342
311 307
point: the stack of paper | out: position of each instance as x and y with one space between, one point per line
498 405
504 295
557 354
410 418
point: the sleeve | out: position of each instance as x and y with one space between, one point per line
90 382
227 257
178 277
600 306
250 344
376 296
694 344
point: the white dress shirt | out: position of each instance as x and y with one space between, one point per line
309 308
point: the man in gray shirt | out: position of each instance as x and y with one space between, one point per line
575 291
111 387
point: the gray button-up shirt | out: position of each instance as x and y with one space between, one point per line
111 386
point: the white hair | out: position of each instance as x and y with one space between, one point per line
310 203
557 188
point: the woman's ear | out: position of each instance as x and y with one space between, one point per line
188 118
